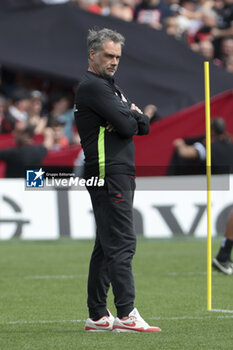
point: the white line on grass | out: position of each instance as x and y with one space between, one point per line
171 274
59 277
185 318
222 310
41 322
176 274
20 322
47 277
54 277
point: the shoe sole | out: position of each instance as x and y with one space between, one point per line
127 330
218 266
124 331
98 330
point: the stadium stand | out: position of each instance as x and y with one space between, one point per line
171 77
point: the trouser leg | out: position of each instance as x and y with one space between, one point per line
115 245
98 283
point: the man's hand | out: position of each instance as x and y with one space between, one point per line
135 108
109 127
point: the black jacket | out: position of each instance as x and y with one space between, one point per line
22 158
99 101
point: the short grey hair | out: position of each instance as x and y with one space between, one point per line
96 38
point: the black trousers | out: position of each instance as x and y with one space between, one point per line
115 245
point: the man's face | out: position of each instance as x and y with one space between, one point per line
227 47
106 61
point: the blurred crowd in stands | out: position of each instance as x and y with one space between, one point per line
36 116
24 101
205 25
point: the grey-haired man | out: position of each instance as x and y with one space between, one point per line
106 121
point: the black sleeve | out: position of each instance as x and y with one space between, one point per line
143 123
142 119
102 100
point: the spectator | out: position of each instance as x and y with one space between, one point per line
35 112
225 19
226 49
59 105
67 118
224 26
196 19
18 111
217 7
209 21
152 12
123 9
26 154
60 141
171 26
206 48
189 19
222 149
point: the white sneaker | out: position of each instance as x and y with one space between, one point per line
104 324
223 266
134 323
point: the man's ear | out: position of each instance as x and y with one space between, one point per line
92 54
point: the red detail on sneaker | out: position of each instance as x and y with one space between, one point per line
131 329
98 325
133 324
90 328
151 329
106 324
120 200
119 195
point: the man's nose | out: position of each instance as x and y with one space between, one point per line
114 61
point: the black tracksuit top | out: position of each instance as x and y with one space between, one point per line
99 101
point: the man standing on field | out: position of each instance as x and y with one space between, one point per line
106 121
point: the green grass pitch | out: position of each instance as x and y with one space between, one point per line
43 297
